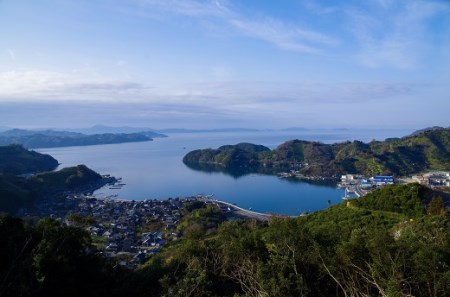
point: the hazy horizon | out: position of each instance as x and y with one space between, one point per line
377 64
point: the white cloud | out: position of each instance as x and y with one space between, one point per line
45 85
207 103
37 85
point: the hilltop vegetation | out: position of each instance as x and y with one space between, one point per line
15 159
65 179
17 192
50 138
424 150
392 243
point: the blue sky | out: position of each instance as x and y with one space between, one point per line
214 64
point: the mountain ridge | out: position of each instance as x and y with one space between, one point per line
420 151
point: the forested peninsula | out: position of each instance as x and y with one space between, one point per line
51 138
17 191
428 149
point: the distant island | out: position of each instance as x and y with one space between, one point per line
427 149
52 138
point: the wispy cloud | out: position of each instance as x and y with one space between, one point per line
283 36
189 7
163 10
395 35
12 53
278 32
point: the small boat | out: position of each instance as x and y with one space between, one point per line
346 196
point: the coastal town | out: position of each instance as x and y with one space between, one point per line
356 185
127 232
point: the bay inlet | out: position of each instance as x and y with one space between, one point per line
154 170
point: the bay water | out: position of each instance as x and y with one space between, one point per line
154 169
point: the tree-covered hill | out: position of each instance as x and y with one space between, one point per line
65 179
395 242
15 159
424 150
240 157
351 249
17 191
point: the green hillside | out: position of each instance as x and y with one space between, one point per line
392 243
65 179
424 150
243 156
14 159
346 250
17 192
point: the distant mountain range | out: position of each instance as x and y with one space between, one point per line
427 149
181 130
102 129
52 138
154 133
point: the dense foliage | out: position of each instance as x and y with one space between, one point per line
49 260
425 150
14 159
50 138
17 192
354 249
65 179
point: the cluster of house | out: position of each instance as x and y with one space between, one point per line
126 231
435 178
365 182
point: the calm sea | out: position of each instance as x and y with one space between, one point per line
154 169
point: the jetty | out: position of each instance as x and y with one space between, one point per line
239 211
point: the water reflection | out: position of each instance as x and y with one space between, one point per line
239 172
